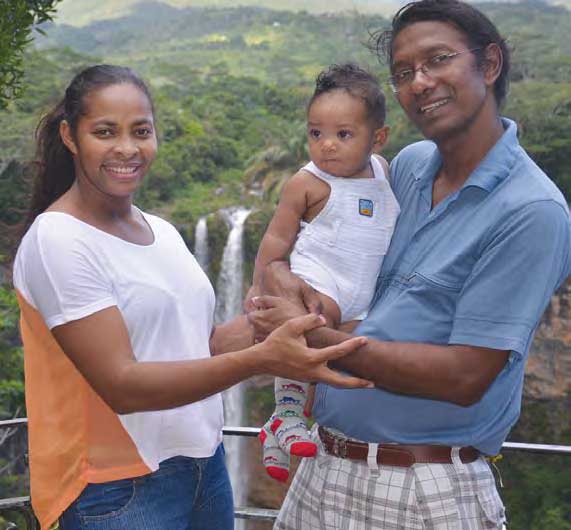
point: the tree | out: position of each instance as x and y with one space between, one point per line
16 23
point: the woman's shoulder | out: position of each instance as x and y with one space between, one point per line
53 227
53 237
53 242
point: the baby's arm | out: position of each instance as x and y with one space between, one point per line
282 230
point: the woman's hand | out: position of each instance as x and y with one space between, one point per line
279 281
285 354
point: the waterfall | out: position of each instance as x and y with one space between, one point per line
201 244
229 305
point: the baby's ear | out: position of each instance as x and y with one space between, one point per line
381 137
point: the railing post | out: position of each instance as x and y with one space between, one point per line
19 505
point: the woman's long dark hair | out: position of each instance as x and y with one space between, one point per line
55 170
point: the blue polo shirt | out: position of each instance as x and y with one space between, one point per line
479 269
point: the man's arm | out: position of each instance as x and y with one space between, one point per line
236 334
456 373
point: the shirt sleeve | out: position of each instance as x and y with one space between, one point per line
524 262
63 274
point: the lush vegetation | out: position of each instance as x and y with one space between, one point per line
230 88
16 23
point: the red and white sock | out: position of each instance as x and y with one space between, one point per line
274 459
289 423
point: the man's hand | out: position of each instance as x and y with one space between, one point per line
248 304
270 312
285 354
279 281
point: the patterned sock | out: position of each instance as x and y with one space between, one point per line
289 425
274 459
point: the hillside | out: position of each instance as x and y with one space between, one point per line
83 12
278 47
288 48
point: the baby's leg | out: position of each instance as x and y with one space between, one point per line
330 310
289 424
274 459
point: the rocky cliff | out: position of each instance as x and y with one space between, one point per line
548 370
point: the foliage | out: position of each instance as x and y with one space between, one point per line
18 17
537 492
11 368
254 229
537 489
543 113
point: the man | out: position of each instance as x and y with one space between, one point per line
482 242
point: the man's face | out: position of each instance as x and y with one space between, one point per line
449 100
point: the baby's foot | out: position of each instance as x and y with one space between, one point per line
274 459
291 433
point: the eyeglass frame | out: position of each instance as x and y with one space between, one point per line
425 69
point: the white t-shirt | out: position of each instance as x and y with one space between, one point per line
68 269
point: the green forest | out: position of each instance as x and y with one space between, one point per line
230 88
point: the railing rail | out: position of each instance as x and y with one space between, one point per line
22 504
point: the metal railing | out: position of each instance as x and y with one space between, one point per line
22 504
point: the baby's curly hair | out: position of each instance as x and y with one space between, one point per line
357 82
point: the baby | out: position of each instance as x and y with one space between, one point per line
334 220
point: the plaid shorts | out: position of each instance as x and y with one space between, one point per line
330 493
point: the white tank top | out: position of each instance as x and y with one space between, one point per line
340 252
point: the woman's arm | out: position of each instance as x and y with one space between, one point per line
100 348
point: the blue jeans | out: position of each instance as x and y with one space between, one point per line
183 494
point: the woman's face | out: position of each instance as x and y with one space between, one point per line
115 142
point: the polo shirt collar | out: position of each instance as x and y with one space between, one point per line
492 170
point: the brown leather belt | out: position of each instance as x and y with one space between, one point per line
394 454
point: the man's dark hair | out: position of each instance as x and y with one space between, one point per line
357 82
476 27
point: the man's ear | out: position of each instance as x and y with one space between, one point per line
493 63
381 136
67 137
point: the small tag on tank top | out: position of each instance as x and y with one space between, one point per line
366 207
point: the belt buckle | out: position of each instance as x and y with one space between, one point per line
339 448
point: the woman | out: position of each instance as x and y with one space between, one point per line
121 385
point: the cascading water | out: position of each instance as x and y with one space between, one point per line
229 305
201 244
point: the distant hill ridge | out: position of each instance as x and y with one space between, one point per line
83 12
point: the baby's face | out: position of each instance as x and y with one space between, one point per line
340 138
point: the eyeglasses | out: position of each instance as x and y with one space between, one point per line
433 67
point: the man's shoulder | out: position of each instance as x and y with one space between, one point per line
541 185
415 153
412 157
410 161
